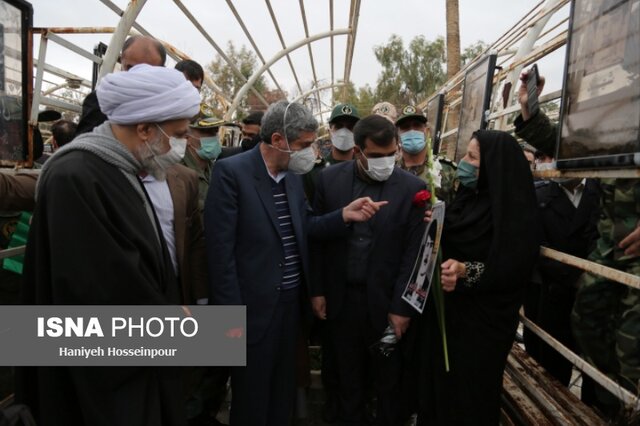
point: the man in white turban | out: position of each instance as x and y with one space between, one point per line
96 240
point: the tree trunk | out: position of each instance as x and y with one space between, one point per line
453 38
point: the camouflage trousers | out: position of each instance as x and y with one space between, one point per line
606 325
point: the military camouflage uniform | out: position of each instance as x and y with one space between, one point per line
606 314
449 182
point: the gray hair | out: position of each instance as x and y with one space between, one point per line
298 119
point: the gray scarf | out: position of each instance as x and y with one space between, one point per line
102 142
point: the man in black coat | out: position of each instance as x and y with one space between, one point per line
135 50
95 240
569 212
360 277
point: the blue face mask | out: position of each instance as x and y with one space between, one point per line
467 174
413 141
210 148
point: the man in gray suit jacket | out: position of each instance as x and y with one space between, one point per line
256 225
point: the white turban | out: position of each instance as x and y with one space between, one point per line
147 94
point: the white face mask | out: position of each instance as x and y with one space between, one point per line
178 145
156 164
545 166
380 168
342 139
302 161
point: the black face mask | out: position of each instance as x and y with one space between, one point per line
250 143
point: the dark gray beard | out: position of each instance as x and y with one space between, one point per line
149 162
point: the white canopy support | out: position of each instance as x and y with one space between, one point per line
223 55
284 46
117 39
317 90
253 43
249 84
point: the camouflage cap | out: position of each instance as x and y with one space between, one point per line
387 110
411 111
344 110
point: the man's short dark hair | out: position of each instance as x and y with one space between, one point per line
63 131
375 128
254 117
159 47
191 69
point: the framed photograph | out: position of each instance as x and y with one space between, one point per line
435 106
476 98
417 289
600 109
15 80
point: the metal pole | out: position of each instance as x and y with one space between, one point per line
223 55
37 90
592 267
353 25
317 89
253 43
621 393
117 39
284 46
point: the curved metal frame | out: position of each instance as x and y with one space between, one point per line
249 84
316 90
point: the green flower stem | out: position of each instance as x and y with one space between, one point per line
438 297
436 286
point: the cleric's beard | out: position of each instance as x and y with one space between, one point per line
147 153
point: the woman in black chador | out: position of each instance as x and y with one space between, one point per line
489 246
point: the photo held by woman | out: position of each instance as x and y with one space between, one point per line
319 213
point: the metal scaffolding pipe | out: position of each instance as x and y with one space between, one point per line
65 43
74 30
306 34
223 55
621 393
333 79
592 267
353 26
284 46
117 40
37 89
136 26
243 91
317 90
60 72
253 43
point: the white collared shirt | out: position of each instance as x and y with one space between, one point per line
163 205
576 195
277 178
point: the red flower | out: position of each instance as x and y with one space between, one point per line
421 198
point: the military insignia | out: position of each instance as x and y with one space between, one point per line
206 110
409 109
347 110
